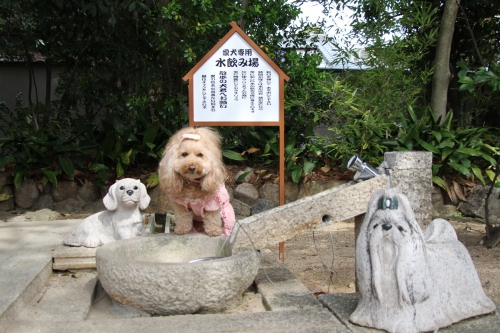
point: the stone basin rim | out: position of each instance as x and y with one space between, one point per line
111 251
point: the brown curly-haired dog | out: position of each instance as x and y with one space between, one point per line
192 173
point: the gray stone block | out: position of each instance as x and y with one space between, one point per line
27 194
246 193
474 206
64 190
262 205
241 208
411 173
270 192
44 201
287 221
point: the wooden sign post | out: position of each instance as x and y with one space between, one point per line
237 84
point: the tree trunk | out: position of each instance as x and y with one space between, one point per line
442 76
244 7
48 90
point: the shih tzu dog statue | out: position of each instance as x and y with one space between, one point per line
409 280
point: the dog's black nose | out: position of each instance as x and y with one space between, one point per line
386 226
192 168
130 192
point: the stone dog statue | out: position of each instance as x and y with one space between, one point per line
409 280
123 219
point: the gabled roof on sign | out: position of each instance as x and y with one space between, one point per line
236 29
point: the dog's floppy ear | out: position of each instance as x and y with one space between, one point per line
145 198
215 178
110 201
169 180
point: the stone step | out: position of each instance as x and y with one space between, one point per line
280 289
308 320
26 263
66 295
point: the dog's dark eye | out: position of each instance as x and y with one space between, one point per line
136 188
400 228
122 188
184 154
200 155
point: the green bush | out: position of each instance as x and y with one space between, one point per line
469 152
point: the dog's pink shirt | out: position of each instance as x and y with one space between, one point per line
199 207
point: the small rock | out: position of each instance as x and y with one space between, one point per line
246 193
262 205
64 190
42 215
27 194
249 174
241 208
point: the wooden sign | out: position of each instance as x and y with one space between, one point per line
236 84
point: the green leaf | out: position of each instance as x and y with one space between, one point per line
50 176
437 135
5 196
150 134
435 168
477 172
67 166
296 174
439 182
18 179
467 151
488 158
98 167
119 170
6 159
412 114
460 168
152 180
490 174
428 147
308 167
125 157
232 155
465 79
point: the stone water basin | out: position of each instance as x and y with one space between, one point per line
151 273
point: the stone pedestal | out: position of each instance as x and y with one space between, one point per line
411 173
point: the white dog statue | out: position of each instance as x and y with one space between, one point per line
411 281
123 219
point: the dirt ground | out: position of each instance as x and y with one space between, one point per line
304 257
